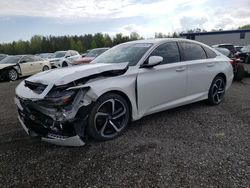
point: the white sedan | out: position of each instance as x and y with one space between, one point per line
125 83
63 58
13 67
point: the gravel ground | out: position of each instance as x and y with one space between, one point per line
193 146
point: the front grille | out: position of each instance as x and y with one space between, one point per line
35 87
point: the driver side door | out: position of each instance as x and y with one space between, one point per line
162 86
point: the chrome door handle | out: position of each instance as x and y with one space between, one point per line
210 64
180 69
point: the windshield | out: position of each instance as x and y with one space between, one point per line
58 55
129 52
10 60
95 52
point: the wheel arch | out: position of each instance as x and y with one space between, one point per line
222 75
125 96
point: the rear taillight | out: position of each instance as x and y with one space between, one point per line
232 61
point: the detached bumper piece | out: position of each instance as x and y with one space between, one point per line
37 124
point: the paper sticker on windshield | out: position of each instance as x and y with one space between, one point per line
143 45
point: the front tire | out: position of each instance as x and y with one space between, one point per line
217 91
108 118
12 75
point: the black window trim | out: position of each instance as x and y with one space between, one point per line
163 44
183 54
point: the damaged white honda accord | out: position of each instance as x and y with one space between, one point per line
125 83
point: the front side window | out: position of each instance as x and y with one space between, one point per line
169 51
192 51
26 59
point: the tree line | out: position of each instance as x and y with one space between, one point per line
42 44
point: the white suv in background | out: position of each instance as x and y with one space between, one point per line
63 58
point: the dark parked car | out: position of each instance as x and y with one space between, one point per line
244 54
227 46
239 70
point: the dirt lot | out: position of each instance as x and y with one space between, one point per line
195 145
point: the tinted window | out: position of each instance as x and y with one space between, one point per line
169 51
68 54
37 58
193 51
26 59
210 53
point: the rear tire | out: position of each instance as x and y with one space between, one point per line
12 75
247 59
217 91
240 73
45 68
64 64
108 118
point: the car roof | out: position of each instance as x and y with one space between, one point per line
104 48
162 40
226 44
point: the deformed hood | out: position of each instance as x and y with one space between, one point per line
2 66
66 75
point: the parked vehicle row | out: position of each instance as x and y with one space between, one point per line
13 67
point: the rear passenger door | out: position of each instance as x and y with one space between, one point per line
38 64
200 68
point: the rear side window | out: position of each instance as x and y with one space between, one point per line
169 51
27 59
37 58
210 53
192 51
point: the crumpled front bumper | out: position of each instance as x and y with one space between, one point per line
34 129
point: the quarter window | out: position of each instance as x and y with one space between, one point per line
193 51
169 51
210 53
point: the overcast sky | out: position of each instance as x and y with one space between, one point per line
21 19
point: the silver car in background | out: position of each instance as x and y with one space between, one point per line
125 83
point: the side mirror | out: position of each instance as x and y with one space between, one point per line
23 61
152 61
67 56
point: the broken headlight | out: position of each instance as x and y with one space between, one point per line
59 98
